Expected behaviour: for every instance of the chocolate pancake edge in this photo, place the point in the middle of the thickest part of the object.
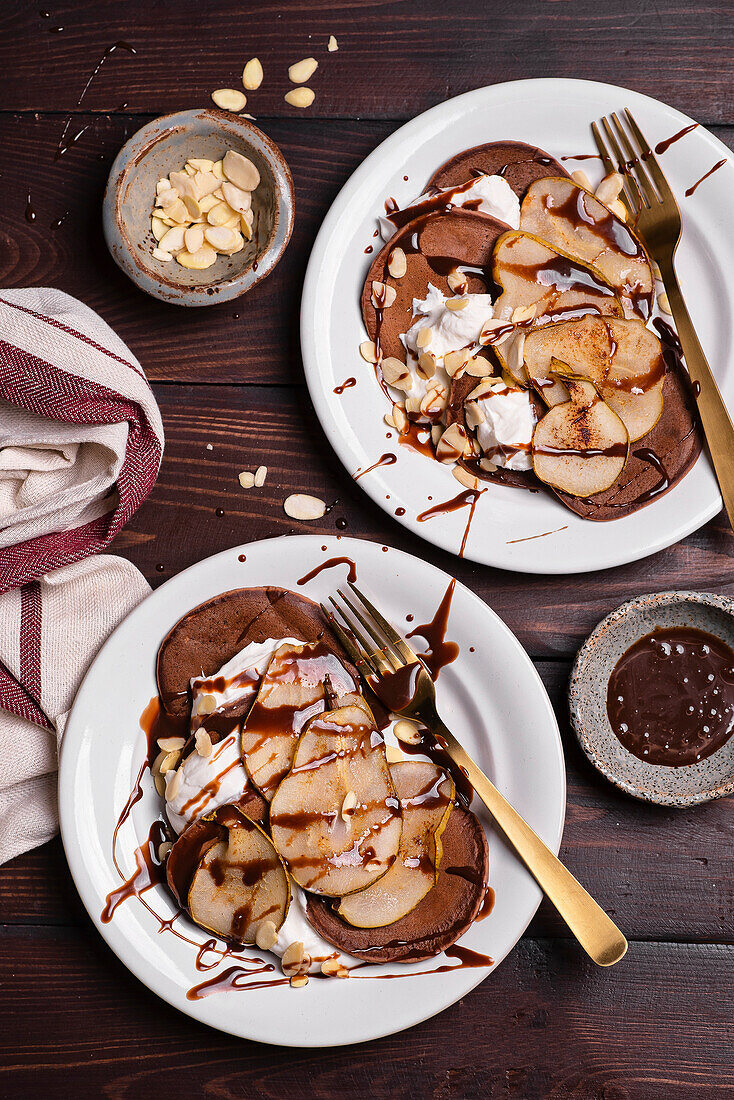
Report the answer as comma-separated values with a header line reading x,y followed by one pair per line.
x,y
440,919
676,440
518,163
211,634
466,236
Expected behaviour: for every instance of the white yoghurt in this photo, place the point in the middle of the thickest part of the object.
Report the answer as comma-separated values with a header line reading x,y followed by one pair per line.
x,y
451,329
252,659
223,770
509,421
494,194
297,928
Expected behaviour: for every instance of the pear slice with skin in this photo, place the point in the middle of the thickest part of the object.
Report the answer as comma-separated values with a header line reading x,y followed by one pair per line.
x,y
573,220
622,358
556,284
335,818
240,882
580,446
426,796
291,692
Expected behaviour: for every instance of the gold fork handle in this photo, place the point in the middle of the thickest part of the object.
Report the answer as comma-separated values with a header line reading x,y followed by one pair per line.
x,y
715,417
595,931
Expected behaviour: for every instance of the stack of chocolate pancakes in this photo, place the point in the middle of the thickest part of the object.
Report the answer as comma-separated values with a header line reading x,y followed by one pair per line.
x,y
438,238
199,645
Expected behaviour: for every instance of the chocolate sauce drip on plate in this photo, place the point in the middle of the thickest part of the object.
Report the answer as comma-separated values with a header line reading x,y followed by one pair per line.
x,y
234,978
440,652
347,385
663,146
330,563
670,698
719,164
397,689
388,459
149,872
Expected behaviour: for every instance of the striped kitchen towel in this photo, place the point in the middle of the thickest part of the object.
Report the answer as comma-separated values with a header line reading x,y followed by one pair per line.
x,y
81,441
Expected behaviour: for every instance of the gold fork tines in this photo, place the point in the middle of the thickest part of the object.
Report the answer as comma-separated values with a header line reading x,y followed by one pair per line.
x,y
379,651
656,219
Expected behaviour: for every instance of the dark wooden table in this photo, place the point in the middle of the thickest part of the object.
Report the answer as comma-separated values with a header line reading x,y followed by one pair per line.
x,y
547,1023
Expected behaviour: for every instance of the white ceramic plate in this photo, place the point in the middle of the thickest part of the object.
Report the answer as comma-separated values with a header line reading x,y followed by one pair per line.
x,y
556,115
491,694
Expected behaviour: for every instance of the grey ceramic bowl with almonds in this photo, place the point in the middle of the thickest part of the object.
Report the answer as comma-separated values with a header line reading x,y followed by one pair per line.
x,y
164,146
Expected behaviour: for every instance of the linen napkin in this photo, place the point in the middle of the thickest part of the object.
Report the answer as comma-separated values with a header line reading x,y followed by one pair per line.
x,y
81,441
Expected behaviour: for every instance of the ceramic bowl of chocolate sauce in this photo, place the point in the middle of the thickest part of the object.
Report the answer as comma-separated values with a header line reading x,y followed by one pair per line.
x,y
164,145
651,697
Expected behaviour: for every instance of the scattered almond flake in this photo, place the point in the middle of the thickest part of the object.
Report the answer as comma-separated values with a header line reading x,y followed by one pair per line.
x,y
246,479
160,254
457,282
173,784
294,958
617,207
396,373
455,362
388,418
436,432
487,466
524,313
206,704
664,304
266,935
368,351
252,74
260,474
332,45
236,198
169,762
299,981
407,732
400,419
382,294
481,390
452,445
210,446
426,365
193,238
171,743
397,265
479,367
349,805
200,164
240,171
204,745
424,337
302,71
217,169
198,261
160,784
229,99
609,188
473,415
299,97
304,507
156,765
158,228
221,237
580,177
164,849
466,479
455,304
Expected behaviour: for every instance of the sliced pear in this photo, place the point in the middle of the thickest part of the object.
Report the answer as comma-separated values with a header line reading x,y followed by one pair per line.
x,y
580,447
574,221
335,818
291,692
546,284
240,882
622,358
426,795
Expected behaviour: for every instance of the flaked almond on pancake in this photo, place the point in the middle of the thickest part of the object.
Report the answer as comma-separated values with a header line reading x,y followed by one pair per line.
x,y
516,162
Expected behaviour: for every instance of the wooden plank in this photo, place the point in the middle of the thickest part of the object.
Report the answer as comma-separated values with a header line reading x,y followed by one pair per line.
x,y
394,59
624,852
546,1024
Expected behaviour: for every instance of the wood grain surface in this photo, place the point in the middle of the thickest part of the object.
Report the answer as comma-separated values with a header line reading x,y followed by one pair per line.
x,y
229,381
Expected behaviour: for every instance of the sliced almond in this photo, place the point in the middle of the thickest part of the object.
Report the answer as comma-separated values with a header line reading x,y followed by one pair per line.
x,y
252,74
481,390
349,805
236,198
413,407
426,364
167,197
524,313
466,479
266,935
200,164
434,402
479,367
458,282
473,415
424,337
229,99
170,744
246,221
240,171
383,295
173,784
455,362
407,732
304,507
178,212
164,849
295,958
200,260
397,265
204,745
221,214
237,246
193,238
617,207
169,762
331,968
206,183
664,304
260,474
488,466
400,419
455,304
299,981
580,177
299,97
609,188
218,170
302,70
396,373
368,351
332,45
206,704
156,765
158,228
160,784
247,479
220,237
436,433
162,185
161,254
452,445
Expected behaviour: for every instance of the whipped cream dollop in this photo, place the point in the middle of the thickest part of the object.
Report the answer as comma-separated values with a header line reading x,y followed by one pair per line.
x,y
488,194
297,928
451,329
237,679
505,421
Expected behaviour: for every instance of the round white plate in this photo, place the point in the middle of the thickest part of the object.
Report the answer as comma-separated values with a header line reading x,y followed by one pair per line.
x,y
556,115
491,694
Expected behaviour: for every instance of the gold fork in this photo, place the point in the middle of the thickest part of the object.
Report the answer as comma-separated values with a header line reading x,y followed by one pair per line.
x,y
380,654
651,204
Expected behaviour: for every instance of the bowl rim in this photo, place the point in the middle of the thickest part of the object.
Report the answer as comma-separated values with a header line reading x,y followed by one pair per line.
x,y
123,250
579,677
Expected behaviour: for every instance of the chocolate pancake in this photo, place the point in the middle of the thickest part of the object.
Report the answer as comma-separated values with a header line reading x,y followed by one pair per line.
x,y
520,165
434,245
212,633
198,837
673,445
438,920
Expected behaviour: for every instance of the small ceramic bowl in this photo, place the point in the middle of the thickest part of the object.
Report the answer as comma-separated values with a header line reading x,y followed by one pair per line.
x,y
710,778
164,146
